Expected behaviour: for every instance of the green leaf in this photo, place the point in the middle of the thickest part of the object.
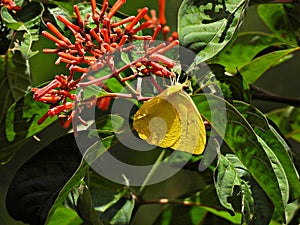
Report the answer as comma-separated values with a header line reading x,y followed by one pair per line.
x,y
256,207
238,88
65,216
242,140
65,5
28,28
37,183
288,121
243,50
8,19
253,70
123,216
226,180
236,219
85,206
276,18
21,124
15,78
60,11
180,214
91,154
207,26
276,143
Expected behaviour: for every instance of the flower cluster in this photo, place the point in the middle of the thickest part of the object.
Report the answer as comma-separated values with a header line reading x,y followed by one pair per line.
x,y
93,48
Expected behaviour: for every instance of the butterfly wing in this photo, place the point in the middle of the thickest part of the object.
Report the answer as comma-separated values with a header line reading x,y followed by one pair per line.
x,y
157,122
193,134
171,120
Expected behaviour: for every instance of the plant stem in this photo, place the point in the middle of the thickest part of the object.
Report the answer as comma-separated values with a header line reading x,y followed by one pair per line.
x,y
152,171
261,94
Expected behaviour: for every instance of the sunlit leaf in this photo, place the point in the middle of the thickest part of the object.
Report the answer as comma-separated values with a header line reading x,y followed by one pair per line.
x,y
60,11
288,121
207,26
65,216
276,18
243,50
253,70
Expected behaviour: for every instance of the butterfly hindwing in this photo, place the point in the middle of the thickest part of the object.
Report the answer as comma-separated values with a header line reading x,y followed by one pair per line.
x,y
171,120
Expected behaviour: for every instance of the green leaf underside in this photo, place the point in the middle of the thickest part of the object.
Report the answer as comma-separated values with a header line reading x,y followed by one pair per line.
x,y
276,18
242,51
242,140
275,142
207,26
232,174
226,180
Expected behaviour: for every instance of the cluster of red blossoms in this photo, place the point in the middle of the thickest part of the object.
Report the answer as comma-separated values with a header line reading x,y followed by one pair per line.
x,y
10,4
91,51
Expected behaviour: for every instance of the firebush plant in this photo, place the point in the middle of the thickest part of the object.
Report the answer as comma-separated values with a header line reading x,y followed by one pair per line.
x,y
252,180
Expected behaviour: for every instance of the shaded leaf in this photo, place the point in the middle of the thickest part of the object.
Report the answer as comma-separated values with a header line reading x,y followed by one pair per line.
x,y
85,206
293,11
276,18
256,208
15,78
238,88
180,214
91,154
21,124
276,143
36,184
123,215
207,26
242,140
113,201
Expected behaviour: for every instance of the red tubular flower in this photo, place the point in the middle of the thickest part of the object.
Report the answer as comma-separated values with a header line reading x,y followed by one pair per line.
x,y
141,14
103,103
115,8
52,38
162,6
68,24
76,10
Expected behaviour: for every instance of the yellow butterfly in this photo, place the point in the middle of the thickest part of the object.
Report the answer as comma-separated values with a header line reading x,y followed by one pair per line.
x,y
171,120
